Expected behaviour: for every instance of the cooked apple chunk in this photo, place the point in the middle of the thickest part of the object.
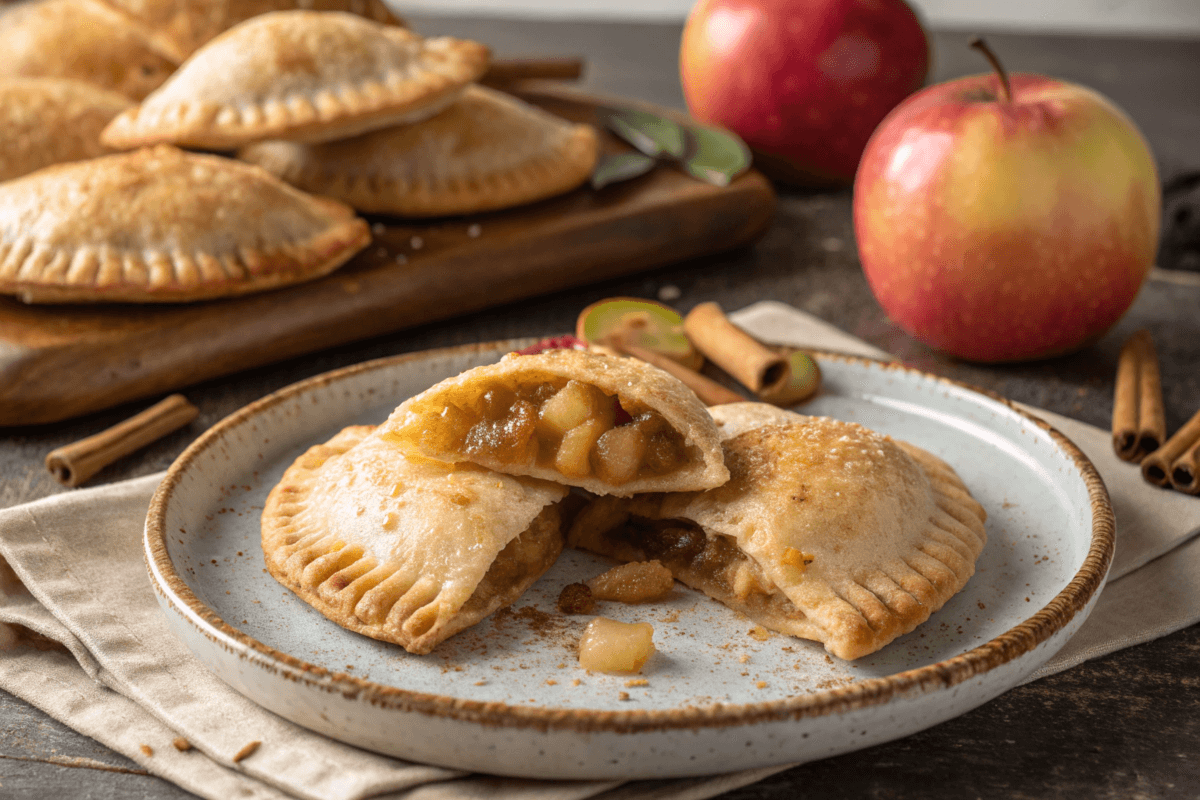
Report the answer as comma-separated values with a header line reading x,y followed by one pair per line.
x,y
573,405
611,646
635,582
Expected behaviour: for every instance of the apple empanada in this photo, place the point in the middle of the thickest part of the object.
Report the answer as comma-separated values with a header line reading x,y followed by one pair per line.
x,y
46,121
181,26
310,76
609,425
826,530
487,151
407,551
161,225
80,39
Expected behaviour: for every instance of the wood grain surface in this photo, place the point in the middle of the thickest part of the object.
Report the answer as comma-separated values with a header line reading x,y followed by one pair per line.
x,y
57,362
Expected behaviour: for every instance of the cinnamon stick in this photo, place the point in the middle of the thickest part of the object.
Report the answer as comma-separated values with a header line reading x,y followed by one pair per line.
x,y
709,391
1157,468
751,363
1185,471
74,463
1139,422
510,70
804,380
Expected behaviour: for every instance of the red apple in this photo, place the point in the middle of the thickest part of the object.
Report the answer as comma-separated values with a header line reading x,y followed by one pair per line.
x,y
1006,220
804,82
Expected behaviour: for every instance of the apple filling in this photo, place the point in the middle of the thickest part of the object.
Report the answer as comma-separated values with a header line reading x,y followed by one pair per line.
x,y
714,564
565,425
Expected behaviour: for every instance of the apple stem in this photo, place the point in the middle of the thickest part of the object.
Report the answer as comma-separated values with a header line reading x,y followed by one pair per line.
x,y
979,44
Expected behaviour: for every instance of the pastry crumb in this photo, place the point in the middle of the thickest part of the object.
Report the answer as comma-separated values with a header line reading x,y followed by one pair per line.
x,y
146,749
672,617
181,744
561,665
623,696
637,682
760,633
246,751
551,682
760,685
743,659
481,683
576,682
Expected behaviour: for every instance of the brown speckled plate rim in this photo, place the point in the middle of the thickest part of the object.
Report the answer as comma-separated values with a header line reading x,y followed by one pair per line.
x,y
1019,640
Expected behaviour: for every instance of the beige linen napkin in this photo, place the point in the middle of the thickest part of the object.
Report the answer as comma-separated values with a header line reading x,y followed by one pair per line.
x,y
118,675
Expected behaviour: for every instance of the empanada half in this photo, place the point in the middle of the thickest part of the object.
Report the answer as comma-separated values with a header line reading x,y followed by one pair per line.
x,y
826,531
308,76
84,40
162,225
609,425
407,551
46,121
181,26
487,151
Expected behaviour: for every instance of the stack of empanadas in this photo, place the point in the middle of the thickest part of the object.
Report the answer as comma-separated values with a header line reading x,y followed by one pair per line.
x,y
332,100
812,527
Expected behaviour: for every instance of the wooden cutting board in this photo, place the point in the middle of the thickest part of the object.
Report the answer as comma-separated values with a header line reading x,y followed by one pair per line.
x,y
58,362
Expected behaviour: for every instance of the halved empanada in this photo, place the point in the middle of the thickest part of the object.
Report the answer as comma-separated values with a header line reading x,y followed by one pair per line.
x,y
609,425
161,225
308,76
826,530
407,551
487,151
181,26
80,39
46,121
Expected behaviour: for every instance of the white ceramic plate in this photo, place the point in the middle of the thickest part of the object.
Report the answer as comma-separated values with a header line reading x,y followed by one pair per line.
x,y
507,696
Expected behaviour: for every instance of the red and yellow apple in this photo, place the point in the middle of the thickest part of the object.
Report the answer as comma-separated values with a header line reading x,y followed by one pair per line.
x,y
1006,228
803,82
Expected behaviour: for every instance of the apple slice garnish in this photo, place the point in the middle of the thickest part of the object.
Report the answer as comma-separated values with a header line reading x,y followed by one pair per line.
x,y
642,323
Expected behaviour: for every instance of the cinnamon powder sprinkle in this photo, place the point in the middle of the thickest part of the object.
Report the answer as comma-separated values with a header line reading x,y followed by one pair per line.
x,y
182,744
146,749
246,751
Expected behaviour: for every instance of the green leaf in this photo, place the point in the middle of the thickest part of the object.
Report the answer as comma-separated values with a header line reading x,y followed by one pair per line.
x,y
653,135
715,155
621,167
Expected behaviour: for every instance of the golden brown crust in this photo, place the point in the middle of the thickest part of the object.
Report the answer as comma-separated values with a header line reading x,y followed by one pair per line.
x,y
304,76
161,225
487,151
634,382
45,121
179,27
84,40
404,551
855,538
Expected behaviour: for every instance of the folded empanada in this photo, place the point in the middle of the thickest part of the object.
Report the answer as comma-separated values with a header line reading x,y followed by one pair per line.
x,y
487,151
46,121
181,26
307,76
826,530
80,39
162,225
609,425
407,551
